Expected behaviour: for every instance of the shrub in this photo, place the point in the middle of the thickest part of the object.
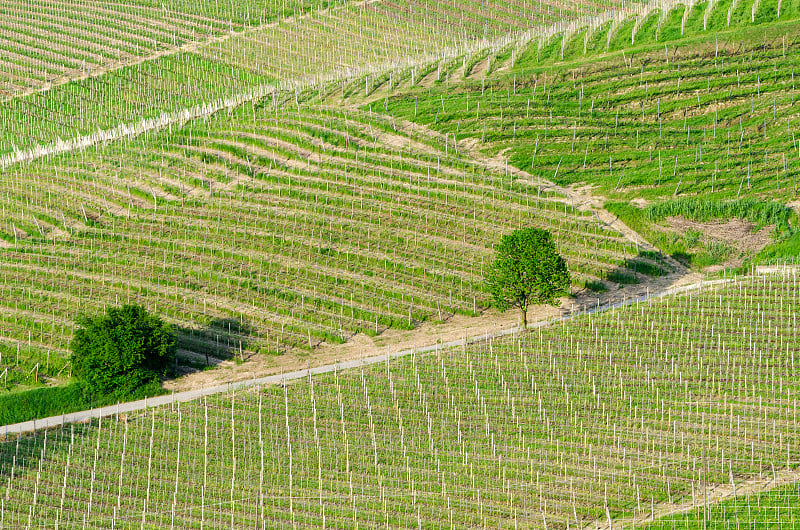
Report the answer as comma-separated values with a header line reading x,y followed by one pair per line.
x,y
122,351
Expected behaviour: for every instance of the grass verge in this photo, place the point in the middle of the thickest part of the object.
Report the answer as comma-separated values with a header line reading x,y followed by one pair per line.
x,y
39,403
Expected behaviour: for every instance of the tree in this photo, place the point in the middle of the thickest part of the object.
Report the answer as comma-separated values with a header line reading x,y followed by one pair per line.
x,y
527,270
122,351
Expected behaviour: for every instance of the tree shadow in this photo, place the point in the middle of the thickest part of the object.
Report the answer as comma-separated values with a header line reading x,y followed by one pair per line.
x,y
630,279
221,340
20,453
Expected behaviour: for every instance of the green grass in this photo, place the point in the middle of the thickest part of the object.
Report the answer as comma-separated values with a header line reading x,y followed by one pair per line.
x,y
173,82
622,277
688,247
26,405
266,231
250,56
787,248
617,122
700,128
758,212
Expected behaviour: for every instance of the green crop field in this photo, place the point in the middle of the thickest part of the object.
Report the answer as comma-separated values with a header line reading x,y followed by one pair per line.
x,y
690,106
291,182
129,72
719,124
265,231
620,415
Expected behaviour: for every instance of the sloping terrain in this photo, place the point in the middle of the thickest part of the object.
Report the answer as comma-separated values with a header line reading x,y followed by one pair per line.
x,y
275,178
142,61
609,418
265,231
702,118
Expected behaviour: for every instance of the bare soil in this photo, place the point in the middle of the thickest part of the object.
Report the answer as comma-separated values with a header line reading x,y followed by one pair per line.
x,y
428,80
734,233
479,69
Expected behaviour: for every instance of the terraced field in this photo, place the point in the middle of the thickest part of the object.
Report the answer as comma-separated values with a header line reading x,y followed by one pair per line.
x,y
714,119
275,176
136,61
47,42
698,116
613,418
265,231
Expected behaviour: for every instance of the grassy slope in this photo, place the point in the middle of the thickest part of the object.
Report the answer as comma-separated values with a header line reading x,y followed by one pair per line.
x,y
715,119
625,410
348,37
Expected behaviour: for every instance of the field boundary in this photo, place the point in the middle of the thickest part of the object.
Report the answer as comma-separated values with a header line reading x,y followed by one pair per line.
x,y
189,395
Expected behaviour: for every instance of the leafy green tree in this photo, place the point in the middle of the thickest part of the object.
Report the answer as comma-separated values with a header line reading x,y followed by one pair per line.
x,y
527,271
120,352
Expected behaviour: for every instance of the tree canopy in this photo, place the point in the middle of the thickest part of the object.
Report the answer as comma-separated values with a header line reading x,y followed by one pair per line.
x,y
121,351
527,270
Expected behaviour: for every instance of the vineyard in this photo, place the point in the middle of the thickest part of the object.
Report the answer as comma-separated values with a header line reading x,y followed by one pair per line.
x,y
146,62
286,182
619,416
714,120
700,108
266,231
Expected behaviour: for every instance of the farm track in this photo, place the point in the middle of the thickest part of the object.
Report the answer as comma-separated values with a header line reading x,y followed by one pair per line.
x,y
559,493
299,374
291,248
173,110
309,154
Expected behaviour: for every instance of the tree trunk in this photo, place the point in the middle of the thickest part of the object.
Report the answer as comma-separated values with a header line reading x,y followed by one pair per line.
x,y
524,317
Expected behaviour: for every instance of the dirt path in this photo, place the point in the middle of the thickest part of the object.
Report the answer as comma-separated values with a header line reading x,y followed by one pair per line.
x,y
450,328
217,384
479,69
707,496
580,199
702,496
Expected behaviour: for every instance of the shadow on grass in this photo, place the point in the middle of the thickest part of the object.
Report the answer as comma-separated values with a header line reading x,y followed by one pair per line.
x,y
640,269
222,339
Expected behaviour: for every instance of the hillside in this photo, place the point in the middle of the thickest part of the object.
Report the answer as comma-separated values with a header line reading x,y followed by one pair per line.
x,y
295,183
144,61
684,113
168,219
620,416
268,231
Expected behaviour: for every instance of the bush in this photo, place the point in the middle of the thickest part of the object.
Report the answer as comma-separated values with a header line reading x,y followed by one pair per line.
x,y
119,353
